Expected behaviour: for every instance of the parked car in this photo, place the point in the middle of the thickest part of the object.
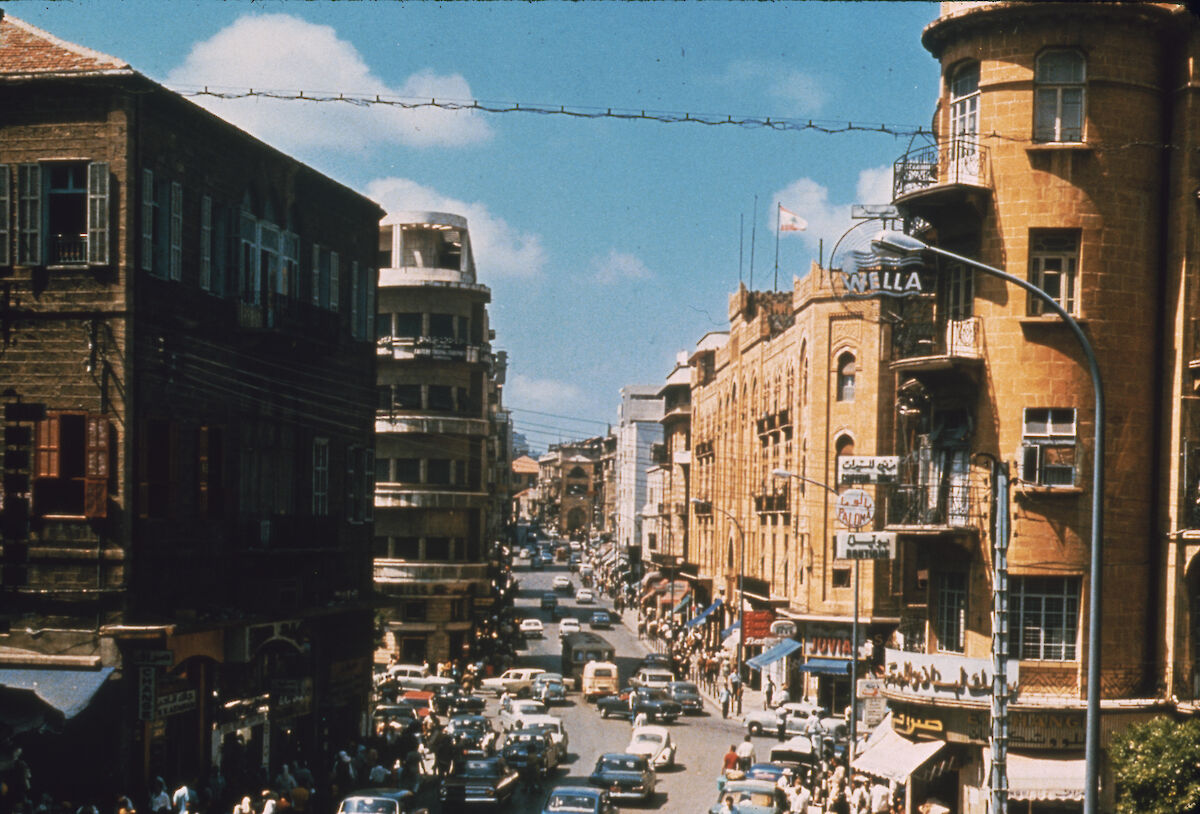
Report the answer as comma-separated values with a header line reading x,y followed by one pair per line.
x,y
794,715
655,703
481,780
752,797
578,800
514,681
584,596
655,678
688,696
562,582
601,620
627,777
378,801
532,628
568,625
661,660
549,689
654,743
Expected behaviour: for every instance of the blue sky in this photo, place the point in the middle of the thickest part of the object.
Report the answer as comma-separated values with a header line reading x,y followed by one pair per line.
x,y
609,245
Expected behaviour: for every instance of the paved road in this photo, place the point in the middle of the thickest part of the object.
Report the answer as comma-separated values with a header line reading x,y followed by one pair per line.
x,y
702,740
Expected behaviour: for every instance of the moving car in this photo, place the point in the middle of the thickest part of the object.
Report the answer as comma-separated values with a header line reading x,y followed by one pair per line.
x,y
794,714
688,696
549,689
551,725
521,745
599,678
654,743
660,660
452,698
585,596
568,625
578,800
562,582
655,703
655,678
514,681
627,777
601,620
378,801
549,602
752,797
513,714
479,780
472,732
796,753
533,628
412,677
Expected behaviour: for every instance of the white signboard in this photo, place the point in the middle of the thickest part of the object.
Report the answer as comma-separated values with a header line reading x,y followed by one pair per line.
x,y
865,545
871,701
855,508
867,468
943,675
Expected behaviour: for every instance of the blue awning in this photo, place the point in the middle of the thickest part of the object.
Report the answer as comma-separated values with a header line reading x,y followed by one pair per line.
x,y
732,629
826,667
784,648
683,603
68,691
704,614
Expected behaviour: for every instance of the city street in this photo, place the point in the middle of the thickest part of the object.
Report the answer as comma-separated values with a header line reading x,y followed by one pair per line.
x,y
702,740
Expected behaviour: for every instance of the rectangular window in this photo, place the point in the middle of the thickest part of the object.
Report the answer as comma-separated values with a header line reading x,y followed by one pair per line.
x,y
1045,614
72,462
320,477
408,326
210,467
441,326
356,328
414,611
248,269
271,275
383,326
335,282
841,578
437,548
406,397
383,470
316,275
289,266
354,483
156,469
148,212
406,548
407,470
175,262
368,492
951,611
5,209
441,397
438,471
1053,267
29,214
383,401
369,284
206,235
1059,83
1048,446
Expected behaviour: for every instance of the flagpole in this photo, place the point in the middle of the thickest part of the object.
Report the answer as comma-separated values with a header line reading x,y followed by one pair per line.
x,y
741,243
778,215
753,233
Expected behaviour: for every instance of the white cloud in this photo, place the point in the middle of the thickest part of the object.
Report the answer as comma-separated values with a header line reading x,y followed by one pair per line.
x,y
541,394
500,249
281,52
797,92
828,220
618,267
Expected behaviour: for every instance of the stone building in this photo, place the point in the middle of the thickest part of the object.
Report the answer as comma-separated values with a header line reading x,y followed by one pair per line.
x,y
187,365
435,437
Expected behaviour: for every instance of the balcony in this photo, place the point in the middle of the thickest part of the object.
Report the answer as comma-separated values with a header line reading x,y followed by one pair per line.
x,y
927,345
403,572
435,348
292,318
67,250
948,174
398,496
936,508
431,425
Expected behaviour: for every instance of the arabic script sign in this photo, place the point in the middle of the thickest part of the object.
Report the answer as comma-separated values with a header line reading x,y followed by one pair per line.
x,y
855,508
865,545
867,468
942,675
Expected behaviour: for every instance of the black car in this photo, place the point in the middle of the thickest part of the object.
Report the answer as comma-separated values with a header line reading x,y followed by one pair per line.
x,y
472,733
601,620
450,698
656,660
578,800
479,781
627,777
525,745
688,696
378,801
655,703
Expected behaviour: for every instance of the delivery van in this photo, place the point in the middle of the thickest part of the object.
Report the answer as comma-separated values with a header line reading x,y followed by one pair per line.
x,y
599,678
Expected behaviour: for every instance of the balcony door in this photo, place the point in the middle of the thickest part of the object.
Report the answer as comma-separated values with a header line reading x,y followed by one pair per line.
x,y
963,157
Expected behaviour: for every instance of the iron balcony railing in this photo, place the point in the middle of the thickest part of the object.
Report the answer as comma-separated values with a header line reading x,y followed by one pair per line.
x,y
941,505
961,160
956,339
67,250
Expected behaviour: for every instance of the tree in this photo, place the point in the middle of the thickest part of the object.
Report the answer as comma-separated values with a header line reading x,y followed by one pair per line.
x,y
1156,766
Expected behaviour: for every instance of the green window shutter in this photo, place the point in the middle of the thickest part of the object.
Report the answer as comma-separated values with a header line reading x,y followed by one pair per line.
x,y
29,214
97,214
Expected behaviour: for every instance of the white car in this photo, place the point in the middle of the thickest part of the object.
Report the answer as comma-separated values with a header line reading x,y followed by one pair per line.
x,y
533,628
794,715
654,743
551,723
653,678
569,625
585,597
513,714
561,582
514,681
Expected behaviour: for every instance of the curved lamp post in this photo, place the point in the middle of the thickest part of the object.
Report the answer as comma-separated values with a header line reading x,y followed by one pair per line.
x,y
741,588
902,245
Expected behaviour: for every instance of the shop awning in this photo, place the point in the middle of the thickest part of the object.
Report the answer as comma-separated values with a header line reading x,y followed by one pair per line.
x,y
779,651
683,603
894,757
729,631
653,575
704,614
1045,778
826,667
68,691
653,589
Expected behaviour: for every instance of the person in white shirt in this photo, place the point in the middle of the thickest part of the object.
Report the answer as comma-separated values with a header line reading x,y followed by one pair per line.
x,y
881,797
745,753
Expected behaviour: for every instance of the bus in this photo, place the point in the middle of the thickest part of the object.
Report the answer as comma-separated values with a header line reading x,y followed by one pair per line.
x,y
580,648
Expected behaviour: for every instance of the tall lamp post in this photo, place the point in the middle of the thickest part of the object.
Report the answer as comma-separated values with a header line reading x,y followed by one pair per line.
x,y
900,244
741,589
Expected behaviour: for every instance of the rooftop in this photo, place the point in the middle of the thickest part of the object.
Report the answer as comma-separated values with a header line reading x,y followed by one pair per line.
x,y
26,51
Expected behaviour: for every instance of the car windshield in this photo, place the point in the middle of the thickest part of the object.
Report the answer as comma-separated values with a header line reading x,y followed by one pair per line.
x,y
481,768
654,695
368,805
571,802
647,737
686,689
622,764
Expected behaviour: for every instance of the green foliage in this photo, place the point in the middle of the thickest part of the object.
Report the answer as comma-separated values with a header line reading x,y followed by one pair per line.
x,y
1157,767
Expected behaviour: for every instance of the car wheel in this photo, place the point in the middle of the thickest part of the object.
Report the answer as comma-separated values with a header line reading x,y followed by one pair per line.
x,y
603,712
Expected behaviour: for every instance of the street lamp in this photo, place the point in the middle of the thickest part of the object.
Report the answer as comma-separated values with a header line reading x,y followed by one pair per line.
x,y
741,588
902,245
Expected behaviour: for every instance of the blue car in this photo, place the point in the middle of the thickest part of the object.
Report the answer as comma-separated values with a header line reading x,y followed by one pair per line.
x,y
578,800
752,797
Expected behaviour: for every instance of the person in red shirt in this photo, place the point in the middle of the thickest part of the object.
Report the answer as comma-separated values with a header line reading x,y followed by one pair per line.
x,y
731,758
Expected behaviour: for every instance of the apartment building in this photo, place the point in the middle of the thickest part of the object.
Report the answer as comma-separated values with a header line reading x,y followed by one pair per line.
x,y
636,432
437,449
187,367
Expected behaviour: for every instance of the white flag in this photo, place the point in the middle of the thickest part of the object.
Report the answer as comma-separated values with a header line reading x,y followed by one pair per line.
x,y
791,222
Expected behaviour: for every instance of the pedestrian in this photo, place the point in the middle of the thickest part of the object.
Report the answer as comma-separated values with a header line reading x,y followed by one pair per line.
x,y
724,698
160,800
769,693
726,805
745,753
880,798
799,797
730,761
738,690
860,798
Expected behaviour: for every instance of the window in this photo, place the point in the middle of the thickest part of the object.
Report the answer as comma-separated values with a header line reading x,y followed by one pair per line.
x,y
437,548
441,326
406,548
209,471
441,397
841,578
964,101
335,283
408,326
407,470
248,260
1053,267
414,611
62,213
320,477
438,471
383,326
406,397
289,265
1048,446
175,258
383,470
5,208
845,377
206,237
959,291
383,402
156,469
951,616
1045,612
72,462
1058,100
149,209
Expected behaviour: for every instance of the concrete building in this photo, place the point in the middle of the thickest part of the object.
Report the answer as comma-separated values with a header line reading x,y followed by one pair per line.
x,y
188,381
637,430
436,444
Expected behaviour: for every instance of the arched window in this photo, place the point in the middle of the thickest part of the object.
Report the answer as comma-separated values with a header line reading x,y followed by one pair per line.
x,y
1058,96
845,377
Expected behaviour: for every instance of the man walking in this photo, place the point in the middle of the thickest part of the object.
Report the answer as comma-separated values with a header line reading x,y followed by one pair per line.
x,y
745,754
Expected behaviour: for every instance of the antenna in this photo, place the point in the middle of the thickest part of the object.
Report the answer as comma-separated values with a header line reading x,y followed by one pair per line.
x,y
741,242
753,232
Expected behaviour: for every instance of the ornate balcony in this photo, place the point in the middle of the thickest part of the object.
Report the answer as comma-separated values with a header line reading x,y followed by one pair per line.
x,y
948,174
936,507
454,575
431,347
937,344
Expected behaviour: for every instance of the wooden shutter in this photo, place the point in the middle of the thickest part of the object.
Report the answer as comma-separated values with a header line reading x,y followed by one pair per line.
x,y
316,275
29,214
96,472
355,329
175,259
334,282
97,214
5,217
46,448
206,235
147,220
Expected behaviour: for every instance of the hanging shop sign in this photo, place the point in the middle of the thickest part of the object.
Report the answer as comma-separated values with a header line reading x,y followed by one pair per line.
x,y
758,626
147,692
943,675
867,468
175,703
855,508
828,641
865,545
783,628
